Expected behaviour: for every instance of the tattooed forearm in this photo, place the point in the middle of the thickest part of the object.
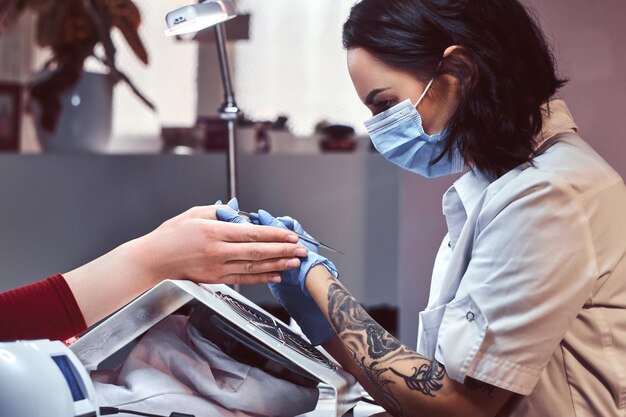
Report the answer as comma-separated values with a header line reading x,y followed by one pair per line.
x,y
376,376
426,379
350,317
379,342
380,356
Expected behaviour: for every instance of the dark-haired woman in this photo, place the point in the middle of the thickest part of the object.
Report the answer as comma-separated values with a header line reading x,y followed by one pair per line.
x,y
527,309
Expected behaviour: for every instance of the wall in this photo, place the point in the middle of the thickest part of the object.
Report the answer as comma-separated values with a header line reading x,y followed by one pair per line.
x,y
588,38
59,211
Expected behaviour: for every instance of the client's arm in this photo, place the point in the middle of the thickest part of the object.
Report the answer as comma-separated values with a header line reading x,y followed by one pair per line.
x,y
190,246
44,310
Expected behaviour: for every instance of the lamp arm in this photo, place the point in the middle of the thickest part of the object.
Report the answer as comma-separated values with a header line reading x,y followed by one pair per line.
x,y
230,105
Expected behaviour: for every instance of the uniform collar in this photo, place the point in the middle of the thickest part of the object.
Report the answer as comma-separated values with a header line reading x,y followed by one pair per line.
x,y
557,120
464,193
461,198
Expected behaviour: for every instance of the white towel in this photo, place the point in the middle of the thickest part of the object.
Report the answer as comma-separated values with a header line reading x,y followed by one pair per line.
x,y
173,368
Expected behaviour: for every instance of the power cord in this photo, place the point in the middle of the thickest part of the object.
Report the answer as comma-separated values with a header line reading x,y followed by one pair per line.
x,y
106,411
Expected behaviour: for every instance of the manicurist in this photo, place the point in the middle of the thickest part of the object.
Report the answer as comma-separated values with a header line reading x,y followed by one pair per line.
x,y
527,308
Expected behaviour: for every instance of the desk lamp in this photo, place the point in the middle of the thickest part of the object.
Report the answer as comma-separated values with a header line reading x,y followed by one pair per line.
x,y
194,18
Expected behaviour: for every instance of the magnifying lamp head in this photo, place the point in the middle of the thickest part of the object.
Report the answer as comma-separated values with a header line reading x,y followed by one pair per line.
x,y
194,18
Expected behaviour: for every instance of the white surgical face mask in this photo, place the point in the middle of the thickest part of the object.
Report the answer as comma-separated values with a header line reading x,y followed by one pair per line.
x,y
398,134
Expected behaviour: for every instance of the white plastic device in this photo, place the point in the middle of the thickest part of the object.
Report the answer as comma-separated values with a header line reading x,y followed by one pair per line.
x,y
44,378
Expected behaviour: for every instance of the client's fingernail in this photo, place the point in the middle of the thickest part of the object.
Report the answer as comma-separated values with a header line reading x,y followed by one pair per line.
x,y
292,238
293,263
300,252
276,279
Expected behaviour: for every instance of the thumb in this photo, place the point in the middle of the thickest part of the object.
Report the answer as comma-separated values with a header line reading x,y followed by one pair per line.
x,y
287,221
254,218
267,219
234,204
230,216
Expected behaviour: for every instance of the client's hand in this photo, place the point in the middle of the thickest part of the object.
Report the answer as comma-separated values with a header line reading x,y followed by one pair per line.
x,y
291,293
195,246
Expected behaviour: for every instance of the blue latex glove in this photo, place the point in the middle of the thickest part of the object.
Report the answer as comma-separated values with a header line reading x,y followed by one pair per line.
x,y
295,226
289,293
231,216
298,304
297,277
304,311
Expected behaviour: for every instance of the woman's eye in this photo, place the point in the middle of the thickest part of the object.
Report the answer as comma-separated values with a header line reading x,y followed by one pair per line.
x,y
384,105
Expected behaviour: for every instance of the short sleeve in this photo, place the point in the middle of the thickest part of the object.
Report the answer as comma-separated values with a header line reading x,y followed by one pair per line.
x,y
532,268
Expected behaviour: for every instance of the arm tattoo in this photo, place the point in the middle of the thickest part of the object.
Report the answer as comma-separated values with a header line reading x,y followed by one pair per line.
x,y
378,353
383,385
352,318
426,379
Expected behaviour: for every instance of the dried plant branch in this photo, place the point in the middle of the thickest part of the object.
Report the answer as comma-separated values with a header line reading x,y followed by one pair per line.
x,y
125,16
72,28
103,14
103,28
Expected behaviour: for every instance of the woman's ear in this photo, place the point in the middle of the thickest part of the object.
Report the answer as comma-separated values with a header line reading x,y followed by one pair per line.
x,y
459,62
450,50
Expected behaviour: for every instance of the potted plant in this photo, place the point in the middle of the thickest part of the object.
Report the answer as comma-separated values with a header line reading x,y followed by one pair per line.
x,y
72,106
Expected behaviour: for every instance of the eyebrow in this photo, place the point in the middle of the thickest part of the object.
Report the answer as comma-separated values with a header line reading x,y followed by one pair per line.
x,y
369,100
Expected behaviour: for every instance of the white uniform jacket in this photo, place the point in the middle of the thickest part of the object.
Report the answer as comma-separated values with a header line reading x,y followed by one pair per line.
x,y
529,286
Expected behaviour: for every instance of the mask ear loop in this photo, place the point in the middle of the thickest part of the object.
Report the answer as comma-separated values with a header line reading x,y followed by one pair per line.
x,y
430,83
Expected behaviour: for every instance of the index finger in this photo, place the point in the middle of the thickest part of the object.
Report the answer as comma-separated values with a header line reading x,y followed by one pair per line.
x,y
251,233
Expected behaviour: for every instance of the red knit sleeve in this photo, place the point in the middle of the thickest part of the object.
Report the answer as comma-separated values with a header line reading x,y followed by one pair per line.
x,y
44,310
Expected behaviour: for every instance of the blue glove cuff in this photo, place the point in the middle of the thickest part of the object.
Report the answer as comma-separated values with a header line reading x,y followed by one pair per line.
x,y
304,311
320,339
332,269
